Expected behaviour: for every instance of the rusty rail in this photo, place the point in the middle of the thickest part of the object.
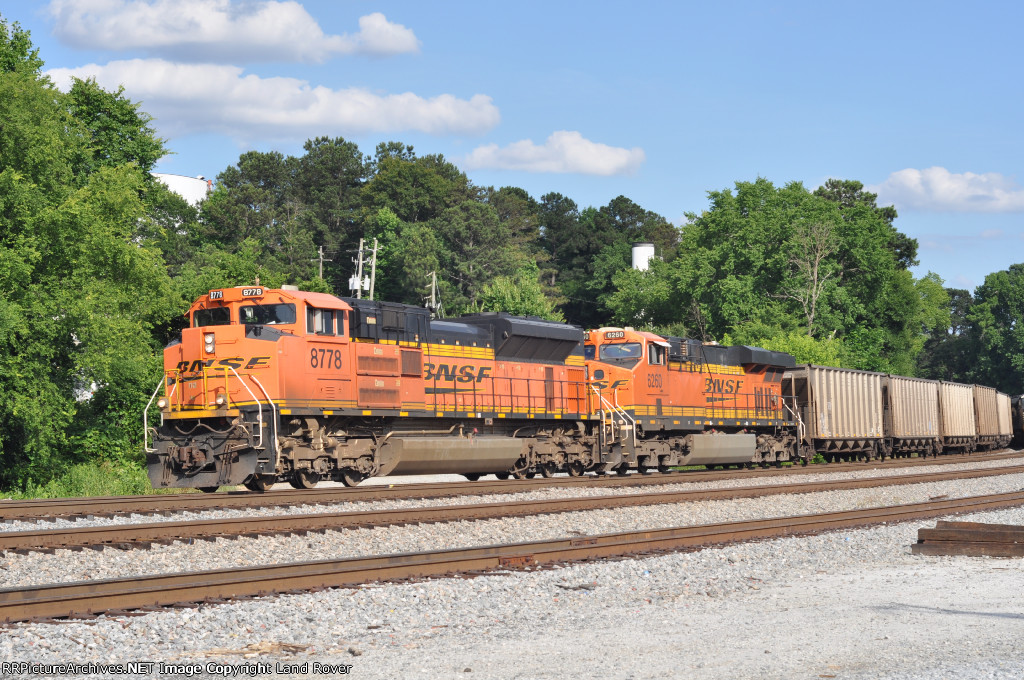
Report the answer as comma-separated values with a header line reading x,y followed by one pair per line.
x,y
143,535
90,598
109,506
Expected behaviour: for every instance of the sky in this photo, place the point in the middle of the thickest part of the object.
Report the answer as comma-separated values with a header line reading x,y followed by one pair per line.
x,y
659,101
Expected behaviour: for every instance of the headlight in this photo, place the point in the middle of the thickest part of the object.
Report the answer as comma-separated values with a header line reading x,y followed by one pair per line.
x,y
161,403
208,339
221,399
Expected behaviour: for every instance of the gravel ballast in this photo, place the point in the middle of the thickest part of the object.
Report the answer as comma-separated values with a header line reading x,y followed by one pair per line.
x,y
850,604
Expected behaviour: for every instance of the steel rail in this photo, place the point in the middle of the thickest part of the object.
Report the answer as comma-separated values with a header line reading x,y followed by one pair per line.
x,y
109,506
127,536
93,597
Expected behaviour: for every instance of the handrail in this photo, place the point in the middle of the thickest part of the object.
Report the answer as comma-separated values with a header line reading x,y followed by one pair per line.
x,y
259,413
800,427
618,410
273,409
145,416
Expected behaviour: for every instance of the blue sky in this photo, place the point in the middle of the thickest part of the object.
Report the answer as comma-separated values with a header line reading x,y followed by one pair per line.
x,y
658,101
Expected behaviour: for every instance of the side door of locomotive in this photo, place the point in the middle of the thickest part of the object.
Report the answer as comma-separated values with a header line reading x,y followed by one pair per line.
x,y
656,383
326,357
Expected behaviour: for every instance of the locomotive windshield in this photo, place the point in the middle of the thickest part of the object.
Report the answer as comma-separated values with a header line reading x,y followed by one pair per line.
x,y
622,350
216,316
268,315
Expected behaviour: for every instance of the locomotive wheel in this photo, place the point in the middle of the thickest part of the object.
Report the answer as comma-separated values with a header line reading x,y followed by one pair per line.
x,y
575,469
548,470
303,479
664,469
258,483
352,478
472,476
521,474
622,470
208,489
642,469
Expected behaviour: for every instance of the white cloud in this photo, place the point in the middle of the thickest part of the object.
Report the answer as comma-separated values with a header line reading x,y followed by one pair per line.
x,y
220,31
563,152
939,190
192,98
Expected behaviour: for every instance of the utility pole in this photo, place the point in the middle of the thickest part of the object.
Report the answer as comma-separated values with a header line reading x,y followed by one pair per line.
x,y
373,268
434,302
322,260
357,281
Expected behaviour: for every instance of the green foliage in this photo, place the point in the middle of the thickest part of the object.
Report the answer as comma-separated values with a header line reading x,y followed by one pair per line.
x,y
118,133
804,348
766,262
16,52
997,319
520,294
81,296
90,479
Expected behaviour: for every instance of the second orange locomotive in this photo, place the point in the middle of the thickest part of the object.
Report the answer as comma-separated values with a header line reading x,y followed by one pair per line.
x,y
271,385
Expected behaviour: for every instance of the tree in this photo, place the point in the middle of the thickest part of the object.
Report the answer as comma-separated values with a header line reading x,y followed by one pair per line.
x,y
519,294
81,293
766,261
814,243
118,133
997,317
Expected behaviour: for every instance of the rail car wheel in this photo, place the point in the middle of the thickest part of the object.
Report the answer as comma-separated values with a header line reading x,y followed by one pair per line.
x,y
304,479
575,469
664,469
642,469
472,476
258,483
501,475
352,478
208,489
520,474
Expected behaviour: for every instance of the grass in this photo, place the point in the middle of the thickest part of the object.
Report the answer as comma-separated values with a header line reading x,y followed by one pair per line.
x,y
91,479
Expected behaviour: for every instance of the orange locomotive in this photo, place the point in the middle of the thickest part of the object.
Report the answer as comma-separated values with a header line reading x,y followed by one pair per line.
x,y
271,385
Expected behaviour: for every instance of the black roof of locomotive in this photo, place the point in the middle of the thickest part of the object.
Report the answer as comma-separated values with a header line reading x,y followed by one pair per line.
x,y
528,338
731,355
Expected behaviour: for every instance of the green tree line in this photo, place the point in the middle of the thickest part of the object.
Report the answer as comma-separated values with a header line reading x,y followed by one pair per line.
x,y
98,261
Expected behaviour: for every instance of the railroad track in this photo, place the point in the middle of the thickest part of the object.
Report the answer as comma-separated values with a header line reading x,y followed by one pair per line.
x,y
110,506
87,599
143,535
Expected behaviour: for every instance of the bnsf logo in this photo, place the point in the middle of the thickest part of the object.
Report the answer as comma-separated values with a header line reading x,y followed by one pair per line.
x,y
456,373
231,362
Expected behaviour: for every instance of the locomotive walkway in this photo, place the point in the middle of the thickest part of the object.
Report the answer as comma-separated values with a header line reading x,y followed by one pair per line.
x,y
127,536
121,595
109,506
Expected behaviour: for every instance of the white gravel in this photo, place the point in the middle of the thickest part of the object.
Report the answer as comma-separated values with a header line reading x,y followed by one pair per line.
x,y
852,604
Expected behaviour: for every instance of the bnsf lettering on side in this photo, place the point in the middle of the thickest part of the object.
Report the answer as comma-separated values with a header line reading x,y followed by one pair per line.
x,y
456,373
230,362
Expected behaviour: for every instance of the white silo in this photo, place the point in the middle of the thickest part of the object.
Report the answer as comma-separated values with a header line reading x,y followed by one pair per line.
x,y
642,255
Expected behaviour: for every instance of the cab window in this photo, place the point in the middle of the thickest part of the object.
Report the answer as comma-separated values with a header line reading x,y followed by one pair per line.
x,y
319,321
267,315
215,316
622,350
589,352
655,354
